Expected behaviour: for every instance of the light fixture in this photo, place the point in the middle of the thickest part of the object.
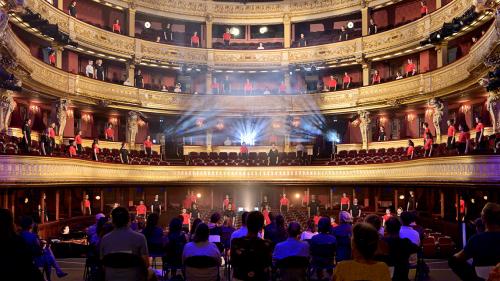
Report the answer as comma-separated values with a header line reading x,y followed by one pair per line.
x,y
465,108
220,124
485,197
428,112
472,200
382,120
234,31
113,120
263,29
350,24
141,123
34,108
198,195
70,113
147,24
98,197
200,122
297,195
86,117
410,117
402,197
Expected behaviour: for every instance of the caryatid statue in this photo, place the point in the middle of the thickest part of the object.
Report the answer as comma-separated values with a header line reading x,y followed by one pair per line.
x,y
7,106
62,114
437,115
132,126
364,125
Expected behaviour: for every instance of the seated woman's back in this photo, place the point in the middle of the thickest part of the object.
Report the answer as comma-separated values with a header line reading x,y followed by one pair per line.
x,y
353,270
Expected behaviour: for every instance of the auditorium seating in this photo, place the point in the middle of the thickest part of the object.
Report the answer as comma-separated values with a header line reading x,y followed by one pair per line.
x,y
234,159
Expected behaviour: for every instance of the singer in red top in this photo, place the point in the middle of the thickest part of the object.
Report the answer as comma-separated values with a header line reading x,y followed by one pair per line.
x,y
450,142
215,87
226,37
345,203
411,68
283,203
148,146
463,140
410,150
244,151
332,84
78,141
186,218
86,210
225,203
376,77
423,9
116,26
247,87
195,40
52,58
95,149
282,88
427,140
346,81
141,209
109,133
72,149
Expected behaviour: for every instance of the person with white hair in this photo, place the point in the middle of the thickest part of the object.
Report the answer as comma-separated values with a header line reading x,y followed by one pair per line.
x,y
343,233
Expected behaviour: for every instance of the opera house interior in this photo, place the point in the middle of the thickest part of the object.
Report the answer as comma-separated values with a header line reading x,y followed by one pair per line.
x,y
250,140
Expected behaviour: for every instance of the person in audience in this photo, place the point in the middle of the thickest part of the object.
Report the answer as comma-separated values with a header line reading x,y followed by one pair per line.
x,y
410,150
215,226
244,151
215,86
273,155
428,140
226,38
99,70
242,231
344,35
423,9
345,202
148,146
261,46
109,133
300,150
355,209
178,88
247,87
450,142
72,9
375,221
93,231
400,249
309,232
346,81
176,239
482,248
124,154
141,210
43,256
72,149
192,229
89,69
363,266
332,222
376,78
463,141
228,142
95,150
277,233
251,257
372,27
227,230
139,79
411,68
52,58
154,235
226,85
343,233
292,246
51,132
116,26
195,40
167,33
321,242
399,211
302,41
332,84
406,230
479,139
124,240
79,141
399,75
27,135
381,133
164,88
200,246
16,256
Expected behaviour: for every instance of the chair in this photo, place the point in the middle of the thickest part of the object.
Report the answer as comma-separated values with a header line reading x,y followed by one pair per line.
x,y
322,258
124,261
201,268
293,268
483,271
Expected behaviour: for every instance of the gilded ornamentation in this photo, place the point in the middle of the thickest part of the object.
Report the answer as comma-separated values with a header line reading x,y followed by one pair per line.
x,y
7,106
132,127
437,107
61,114
364,126
493,107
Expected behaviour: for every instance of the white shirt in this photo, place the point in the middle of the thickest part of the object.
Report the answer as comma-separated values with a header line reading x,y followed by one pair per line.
x,y
410,233
260,48
299,147
89,70
267,92
242,232
228,142
177,90
307,235
200,249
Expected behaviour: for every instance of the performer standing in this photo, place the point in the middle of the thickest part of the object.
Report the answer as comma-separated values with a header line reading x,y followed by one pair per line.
x,y
345,203
412,203
195,212
450,142
86,210
283,203
229,213
313,207
225,203
264,203
186,218
265,212
355,209
156,205
141,210
273,155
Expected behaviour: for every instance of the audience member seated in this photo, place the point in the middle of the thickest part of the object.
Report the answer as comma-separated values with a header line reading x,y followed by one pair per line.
x,y
406,230
154,235
363,267
309,232
323,247
251,257
292,255
92,233
243,230
400,249
176,239
275,231
482,248
123,240
16,257
343,233
200,257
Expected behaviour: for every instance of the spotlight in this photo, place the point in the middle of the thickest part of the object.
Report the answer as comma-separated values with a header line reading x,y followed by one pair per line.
x,y
297,195
350,25
263,29
248,138
98,197
147,25
485,197
234,31
198,195
402,197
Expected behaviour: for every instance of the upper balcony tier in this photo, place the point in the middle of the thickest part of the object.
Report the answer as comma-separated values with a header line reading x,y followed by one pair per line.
x,y
402,39
447,80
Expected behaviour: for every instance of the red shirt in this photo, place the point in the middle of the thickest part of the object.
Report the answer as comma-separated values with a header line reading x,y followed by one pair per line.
x,y
332,83
109,132
284,201
52,133
282,87
215,85
187,203
479,127
86,203
243,149
376,78
72,151
410,67
462,206
78,139
226,36
248,86
344,200
52,59
195,39
148,144
451,131
141,209
185,218
386,217
225,203
266,216
116,27
424,10
96,148
316,219
463,137
409,150
426,131
346,79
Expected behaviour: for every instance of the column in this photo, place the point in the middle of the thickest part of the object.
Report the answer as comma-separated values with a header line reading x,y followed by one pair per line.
x,y
331,197
377,195
430,201
287,80
58,200
208,36
69,203
59,56
131,20
60,5
396,198
42,207
438,4
287,143
209,141
211,198
365,19
442,54
13,203
366,65
102,200
441,202
165,201
130,197
287,31
208,82
131,73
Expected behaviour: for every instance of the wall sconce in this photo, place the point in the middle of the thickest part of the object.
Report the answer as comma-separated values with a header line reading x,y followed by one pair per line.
x,y
355,123
113,120
86,117
200,122
429,112
383,120
276,124
34,108
465,108
220,125
410,117
70,113
141,123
